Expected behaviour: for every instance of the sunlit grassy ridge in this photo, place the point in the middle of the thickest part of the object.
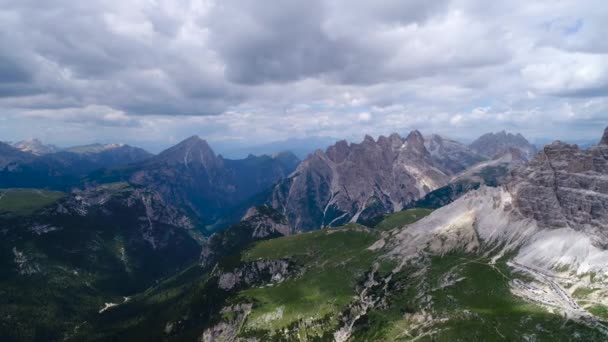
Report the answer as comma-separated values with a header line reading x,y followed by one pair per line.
x,y
26,201
333,261
401,218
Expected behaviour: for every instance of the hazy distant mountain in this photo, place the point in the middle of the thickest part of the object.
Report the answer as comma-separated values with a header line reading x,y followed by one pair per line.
x,y
490,145
9,156
357,182
35,146
301,147
492,172
63,169
451,156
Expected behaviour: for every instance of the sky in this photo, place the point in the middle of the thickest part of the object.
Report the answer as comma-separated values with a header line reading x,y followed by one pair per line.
x,y
245,72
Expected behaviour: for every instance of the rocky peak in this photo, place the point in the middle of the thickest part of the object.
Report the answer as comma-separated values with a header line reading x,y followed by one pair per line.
x,y
604,140
368,140
339,151
355,182
395,138
490,145
10,154
415,142
35,146
191,151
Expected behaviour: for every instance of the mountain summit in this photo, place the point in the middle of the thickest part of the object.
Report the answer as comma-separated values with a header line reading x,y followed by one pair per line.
x,y
492,144
604,140
357,182
190,151
35,146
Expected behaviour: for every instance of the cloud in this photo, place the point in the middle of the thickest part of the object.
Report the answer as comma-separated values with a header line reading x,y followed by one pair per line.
x,y
569,74
251,70
90,115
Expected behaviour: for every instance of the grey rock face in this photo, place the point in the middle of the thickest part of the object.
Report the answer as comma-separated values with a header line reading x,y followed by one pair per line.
x,y
604,140
451,156
266,225
259,223
356,182
565,186
258,272
492,144
228,330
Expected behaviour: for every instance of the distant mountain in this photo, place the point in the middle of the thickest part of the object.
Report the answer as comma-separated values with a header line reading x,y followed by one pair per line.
x,y
490,145
10,156
493,172
61,170
451,156
301,147
97,148
36,147
357,182
191,176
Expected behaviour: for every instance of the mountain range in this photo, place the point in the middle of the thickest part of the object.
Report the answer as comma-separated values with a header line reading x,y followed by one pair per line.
x,y
416,237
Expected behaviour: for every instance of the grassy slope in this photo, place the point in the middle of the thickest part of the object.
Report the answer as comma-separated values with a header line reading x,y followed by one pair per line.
x,y
334,260
479,307
26,201
401,218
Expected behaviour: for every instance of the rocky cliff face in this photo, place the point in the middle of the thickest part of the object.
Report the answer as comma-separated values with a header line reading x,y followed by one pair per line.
x,y
552,211
259,223
565,186
492,144
356,182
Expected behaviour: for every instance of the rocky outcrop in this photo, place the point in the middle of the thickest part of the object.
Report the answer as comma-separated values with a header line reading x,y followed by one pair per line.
x,y
357,182
256,273
604,140
565,186
266,223
228,330
492,144
259,223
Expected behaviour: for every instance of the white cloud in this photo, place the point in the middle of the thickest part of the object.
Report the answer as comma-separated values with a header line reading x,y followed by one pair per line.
x,y
250,71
